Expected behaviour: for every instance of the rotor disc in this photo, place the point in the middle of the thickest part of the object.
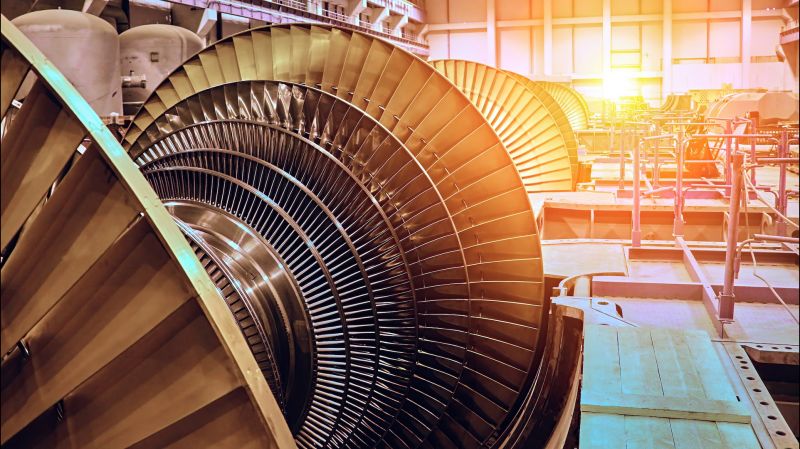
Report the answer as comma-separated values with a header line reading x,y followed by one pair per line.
x,y
478,291
571,102
362,318
528,121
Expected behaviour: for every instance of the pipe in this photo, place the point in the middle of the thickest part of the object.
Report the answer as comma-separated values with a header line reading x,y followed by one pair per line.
x,y
656,155
782,195
119,15
677,225
728,130
729,134
778,160
726,298
644,176
662,136
569,282
131,81
754,127
776,238
705,124
613,125
706,188
699,161
756,238
658,190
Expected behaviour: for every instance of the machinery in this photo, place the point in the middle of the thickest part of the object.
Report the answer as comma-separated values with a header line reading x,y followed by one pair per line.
x,y
148,53
309,237
388,289
772,107
107,315
530,123
94,71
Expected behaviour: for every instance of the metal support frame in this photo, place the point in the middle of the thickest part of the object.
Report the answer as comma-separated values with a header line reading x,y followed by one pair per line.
x,y
636,228
753,159
677,226
622,155
776,238
728,134
727,298
636,232
274,12
770,426
710,301
783,197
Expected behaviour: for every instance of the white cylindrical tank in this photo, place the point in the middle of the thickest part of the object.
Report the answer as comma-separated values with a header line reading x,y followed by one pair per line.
x,y
153,51
84,48
772,107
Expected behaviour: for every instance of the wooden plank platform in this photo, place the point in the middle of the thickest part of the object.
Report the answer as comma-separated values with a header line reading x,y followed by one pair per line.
x,y
658,388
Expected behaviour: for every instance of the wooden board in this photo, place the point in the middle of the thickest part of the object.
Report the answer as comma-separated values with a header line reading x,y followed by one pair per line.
x,y
658,388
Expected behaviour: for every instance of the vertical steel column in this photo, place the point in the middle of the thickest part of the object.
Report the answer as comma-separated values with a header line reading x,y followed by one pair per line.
x,y
677,226
753,160
726,298
736,151
621,156
656,164
747,36
612,137
491,32
783,151
605,46
666,49
636,230
728,131
753,140
548,37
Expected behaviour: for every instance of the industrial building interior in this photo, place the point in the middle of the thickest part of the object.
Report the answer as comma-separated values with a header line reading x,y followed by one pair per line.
x,y
499,224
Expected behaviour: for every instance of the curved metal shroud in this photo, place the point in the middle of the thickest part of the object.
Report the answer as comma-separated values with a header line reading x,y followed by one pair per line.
x,y
112,334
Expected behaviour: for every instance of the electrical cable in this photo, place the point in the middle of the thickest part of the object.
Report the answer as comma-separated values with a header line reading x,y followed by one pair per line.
x,y
747,186
766,203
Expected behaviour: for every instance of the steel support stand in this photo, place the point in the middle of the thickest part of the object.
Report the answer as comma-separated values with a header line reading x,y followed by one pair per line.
x,y
727,298
677,226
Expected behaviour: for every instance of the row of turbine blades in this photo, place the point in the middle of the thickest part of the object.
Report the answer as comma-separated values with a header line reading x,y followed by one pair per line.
x,y
362,214
112,333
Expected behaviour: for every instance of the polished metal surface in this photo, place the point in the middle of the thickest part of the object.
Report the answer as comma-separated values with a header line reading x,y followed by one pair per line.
x,y
678,103
772,107
530,124
561,116
397,211
261,294
346,263
113,334
151,52
85,48
571,102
